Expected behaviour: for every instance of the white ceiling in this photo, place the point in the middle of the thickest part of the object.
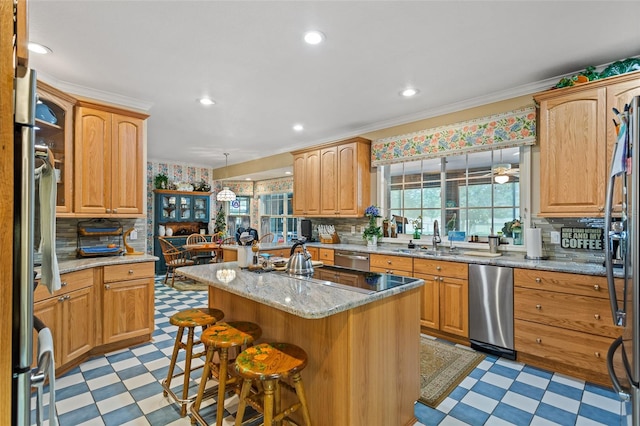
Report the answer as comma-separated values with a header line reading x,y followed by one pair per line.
x,y
250,58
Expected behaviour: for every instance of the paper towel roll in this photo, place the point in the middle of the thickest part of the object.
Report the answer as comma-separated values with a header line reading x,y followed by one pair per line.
x,y
533,241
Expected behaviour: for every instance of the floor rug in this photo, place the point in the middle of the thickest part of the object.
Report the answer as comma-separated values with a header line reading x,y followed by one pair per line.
x,y
183,284
442,367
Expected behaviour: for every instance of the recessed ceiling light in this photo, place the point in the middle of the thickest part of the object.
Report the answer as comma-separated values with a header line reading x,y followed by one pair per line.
x,y
298,127
313,37
206,101
38,48
247,178
287,173
409,92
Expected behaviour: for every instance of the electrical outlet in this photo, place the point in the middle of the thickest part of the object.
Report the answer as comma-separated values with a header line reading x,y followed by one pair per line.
x,y
555,237
361,229
133,235
353,230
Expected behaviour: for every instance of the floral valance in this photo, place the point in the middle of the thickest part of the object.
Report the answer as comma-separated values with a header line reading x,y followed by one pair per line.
x,y
505,130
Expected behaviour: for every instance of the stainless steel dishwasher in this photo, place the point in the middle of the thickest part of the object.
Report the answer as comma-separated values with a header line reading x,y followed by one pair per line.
x,y
491,310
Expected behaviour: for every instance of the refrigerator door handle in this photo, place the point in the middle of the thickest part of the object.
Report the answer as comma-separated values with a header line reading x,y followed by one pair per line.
x,y
617,387
617,315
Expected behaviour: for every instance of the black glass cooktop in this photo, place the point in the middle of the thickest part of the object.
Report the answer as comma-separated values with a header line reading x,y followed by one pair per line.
x,y
362,282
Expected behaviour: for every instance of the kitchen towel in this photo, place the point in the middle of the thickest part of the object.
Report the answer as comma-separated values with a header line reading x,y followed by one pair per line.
x,y
533,241
50,275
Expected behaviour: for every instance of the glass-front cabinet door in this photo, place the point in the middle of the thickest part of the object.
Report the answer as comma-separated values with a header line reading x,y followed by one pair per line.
x,y
185,207
54,131
167,208
201,208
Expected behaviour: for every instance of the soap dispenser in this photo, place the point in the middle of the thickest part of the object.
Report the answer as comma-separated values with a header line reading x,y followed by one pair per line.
x,y
411,245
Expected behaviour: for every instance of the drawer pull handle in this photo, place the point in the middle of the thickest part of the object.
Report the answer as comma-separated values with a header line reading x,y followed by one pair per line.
x,y
64,284
538,340
438,268
596,287
597,316
597,354
107,287
538,280
130,271
538,307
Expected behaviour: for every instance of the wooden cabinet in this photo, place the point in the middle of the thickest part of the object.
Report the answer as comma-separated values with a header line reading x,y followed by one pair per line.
x,y
306,184
445,296
109,161
553,308
333,180
576,135
69,314
128,301
386,264
325,255
280,252
58,137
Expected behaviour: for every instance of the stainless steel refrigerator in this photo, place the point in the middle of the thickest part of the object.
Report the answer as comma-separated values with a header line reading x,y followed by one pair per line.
x,y
621,261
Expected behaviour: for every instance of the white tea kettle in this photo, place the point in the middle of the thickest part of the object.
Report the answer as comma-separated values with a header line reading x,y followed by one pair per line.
x,y
300,262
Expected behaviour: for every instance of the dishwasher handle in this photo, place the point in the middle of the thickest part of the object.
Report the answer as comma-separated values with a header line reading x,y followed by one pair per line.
x,y
352,256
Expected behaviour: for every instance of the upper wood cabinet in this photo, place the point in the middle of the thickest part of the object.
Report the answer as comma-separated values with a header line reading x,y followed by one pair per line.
x,y
109,167
333,180
306,183
577,135
58,137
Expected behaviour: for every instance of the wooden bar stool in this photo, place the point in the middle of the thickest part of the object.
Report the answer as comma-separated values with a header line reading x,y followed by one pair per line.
x,y
219,338
270,364
190,319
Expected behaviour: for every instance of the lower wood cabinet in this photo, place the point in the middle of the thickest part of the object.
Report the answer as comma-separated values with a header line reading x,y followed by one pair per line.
x,y
88,313
70,315
445,296
326,256
563,323
128,301
388,264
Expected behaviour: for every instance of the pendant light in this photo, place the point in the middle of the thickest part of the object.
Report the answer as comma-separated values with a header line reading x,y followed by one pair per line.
x,y
226,194
501,171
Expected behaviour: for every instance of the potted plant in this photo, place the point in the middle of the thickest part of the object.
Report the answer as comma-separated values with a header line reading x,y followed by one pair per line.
x,y
161,181
221,222
372,232
417,227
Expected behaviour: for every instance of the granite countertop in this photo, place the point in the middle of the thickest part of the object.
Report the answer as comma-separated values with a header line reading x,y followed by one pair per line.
x,y
514,259
92,262
303,297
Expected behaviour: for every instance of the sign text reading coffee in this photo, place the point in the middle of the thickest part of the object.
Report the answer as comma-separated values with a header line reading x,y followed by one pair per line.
x,y
582,238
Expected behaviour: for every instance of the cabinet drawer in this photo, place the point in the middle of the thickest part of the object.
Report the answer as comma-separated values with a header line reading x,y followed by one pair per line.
x,y
585,285
579,350
70,281
283,252
326,255
580,313
391,263
128,271
440,267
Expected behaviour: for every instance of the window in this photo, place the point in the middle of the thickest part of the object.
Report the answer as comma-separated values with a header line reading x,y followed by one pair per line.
x,y
275,216
239,215
462,192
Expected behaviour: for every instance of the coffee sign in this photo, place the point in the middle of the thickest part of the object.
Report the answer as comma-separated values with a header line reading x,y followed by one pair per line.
x,y
582,238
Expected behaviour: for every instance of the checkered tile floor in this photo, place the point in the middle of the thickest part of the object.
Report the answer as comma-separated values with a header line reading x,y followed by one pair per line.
x,y
124,388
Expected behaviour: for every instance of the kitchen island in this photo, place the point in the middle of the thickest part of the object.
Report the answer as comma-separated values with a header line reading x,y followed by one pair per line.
x,y
363,349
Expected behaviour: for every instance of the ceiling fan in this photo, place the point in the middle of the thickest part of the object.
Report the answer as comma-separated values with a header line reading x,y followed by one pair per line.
x,y
502,171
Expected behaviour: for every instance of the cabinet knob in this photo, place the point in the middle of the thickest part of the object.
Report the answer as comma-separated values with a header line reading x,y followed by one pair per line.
x,y
538,340
538,307
61,299
596,287
441,279
107,287
438,268
389,271
67,297
64,284
597,316
538,280
115,210
108,210
130,271
597,354
388,262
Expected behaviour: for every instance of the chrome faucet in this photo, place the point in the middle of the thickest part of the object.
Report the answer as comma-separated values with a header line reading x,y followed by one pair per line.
x,y
436,235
